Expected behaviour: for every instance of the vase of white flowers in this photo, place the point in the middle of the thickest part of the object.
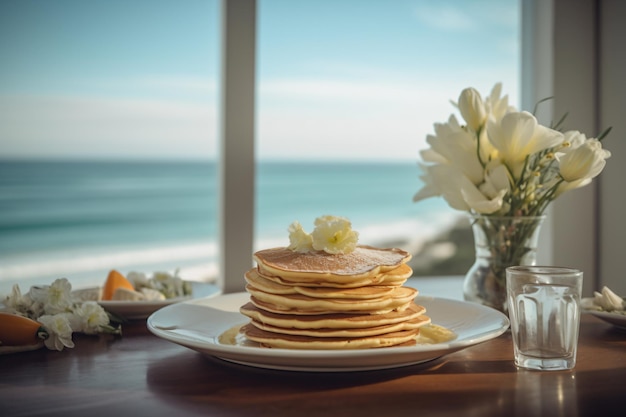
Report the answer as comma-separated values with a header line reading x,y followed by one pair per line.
x,y
500,242
503,168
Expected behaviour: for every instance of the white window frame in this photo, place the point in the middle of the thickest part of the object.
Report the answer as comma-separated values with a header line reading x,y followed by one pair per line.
x,y
571,51
237,157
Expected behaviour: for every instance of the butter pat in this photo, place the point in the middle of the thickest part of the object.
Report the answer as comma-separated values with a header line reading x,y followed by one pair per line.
x,y
433,333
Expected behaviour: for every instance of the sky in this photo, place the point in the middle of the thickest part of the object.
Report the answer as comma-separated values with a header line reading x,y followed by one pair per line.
x,y
336,79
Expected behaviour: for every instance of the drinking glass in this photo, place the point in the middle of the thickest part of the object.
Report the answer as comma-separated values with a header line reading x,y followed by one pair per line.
x,y
544,310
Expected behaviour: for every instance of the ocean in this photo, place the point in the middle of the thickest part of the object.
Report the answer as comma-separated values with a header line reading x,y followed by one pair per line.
x,y
80,219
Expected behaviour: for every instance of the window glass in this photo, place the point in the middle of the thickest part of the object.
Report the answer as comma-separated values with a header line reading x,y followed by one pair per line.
x,y
348,92
108,130
108,125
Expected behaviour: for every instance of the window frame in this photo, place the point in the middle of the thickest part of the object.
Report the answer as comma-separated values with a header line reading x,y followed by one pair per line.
x,y
236,180
570,51
557,35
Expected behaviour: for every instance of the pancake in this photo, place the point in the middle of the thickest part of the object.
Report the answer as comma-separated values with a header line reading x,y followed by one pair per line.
x,y
394,277
254,278
359,293
282,310
301,304
337,320
350,332
346,296
318,266
283,341
367,292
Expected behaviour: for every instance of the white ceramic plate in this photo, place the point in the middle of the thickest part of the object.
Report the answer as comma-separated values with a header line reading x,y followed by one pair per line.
x,y
198,325
138,310
618,320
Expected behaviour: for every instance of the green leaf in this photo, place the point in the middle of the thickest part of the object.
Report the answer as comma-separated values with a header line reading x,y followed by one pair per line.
x,y
539,102
560,122
604,134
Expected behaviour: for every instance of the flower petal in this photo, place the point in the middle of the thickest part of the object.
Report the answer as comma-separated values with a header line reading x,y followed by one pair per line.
x,y
584,162
299,240
449,181
518,135
472,109
334,235
480,203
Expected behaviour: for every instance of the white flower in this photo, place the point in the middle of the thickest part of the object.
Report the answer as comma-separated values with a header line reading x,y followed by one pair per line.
x,y
18,302
457,147
504,162
608,300
517,136
497,106
55,298
478,201
334,235
299,240
496,182
59,331
61,312
169,285
89,317
461,193
429,189
493,189
472,109
446,181
568,186
583,162
572,139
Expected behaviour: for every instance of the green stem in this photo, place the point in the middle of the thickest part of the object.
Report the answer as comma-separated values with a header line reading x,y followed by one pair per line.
x,y
42,333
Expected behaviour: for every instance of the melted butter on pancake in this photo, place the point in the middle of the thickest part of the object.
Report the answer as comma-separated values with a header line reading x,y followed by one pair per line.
x,y
231,336
434,333
235,336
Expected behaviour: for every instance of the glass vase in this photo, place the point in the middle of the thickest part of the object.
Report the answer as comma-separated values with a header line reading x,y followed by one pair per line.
x,y
499,242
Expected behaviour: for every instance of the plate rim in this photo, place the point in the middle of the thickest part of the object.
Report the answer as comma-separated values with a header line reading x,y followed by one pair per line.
x,y
618,320
234,354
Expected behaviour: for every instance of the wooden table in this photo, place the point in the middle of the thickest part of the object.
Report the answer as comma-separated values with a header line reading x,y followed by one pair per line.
x,y
142,375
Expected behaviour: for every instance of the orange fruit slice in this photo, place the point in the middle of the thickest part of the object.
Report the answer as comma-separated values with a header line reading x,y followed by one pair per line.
x,y
114,281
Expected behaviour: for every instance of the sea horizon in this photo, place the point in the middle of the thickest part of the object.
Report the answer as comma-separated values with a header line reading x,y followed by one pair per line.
x,y
79,219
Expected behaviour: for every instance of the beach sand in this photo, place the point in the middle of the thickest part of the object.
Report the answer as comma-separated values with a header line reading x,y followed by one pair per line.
x,y
447,252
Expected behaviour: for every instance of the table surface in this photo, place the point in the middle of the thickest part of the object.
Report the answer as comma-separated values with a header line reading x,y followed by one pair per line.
x,y
140,374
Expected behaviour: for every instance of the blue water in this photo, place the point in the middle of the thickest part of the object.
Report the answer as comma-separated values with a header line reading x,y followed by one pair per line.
x,y
76,218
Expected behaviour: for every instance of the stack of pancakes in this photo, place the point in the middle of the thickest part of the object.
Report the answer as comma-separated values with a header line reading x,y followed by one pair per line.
x,y
316,300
